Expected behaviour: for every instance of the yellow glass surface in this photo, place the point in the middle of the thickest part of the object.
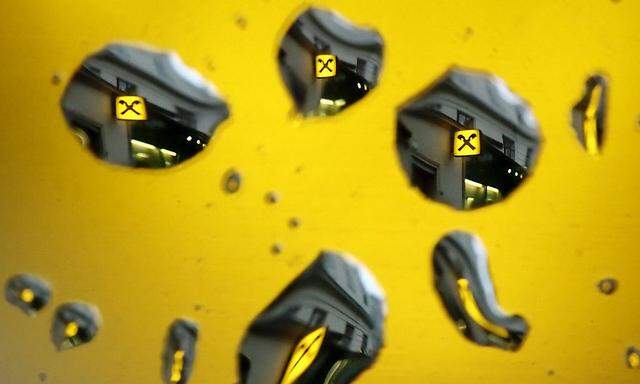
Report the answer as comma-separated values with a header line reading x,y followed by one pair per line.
x,y
466,142
326,66
146,246
303,355
130,108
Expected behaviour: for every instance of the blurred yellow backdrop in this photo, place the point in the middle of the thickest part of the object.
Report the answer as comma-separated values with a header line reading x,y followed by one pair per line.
x,y
147,246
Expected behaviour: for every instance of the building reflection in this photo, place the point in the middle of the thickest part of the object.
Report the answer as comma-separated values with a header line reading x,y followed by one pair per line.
x,y
183,109
459,101
358,54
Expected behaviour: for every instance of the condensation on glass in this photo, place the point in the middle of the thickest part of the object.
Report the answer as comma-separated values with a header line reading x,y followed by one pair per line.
x,y
588,116
467,140
136,107
27,292
180,352
75,324
463,282
325,327
328,63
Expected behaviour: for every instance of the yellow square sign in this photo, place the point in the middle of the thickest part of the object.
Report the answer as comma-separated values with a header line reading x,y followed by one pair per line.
x,y
466,142
130,108
326,66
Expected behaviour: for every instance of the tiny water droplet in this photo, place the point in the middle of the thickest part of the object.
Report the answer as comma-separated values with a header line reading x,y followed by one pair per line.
x,y
27,292
232,181
276,248
608,286
294,222
272,197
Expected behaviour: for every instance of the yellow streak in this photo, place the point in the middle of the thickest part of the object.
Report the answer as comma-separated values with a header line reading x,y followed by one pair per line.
x,y
472,309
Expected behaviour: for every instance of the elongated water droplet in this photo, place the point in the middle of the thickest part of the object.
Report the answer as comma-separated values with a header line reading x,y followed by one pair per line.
x,y
27,292
180,352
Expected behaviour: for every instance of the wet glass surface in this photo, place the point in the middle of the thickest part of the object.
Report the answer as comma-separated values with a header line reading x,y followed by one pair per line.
x,y
27,292
328,63
464,284
588,116
467,141
180,352
137,107
325,327
74,324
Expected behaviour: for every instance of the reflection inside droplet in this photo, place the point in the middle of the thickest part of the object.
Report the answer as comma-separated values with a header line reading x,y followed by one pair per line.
x,y
463,282
141,108
180,352
328,63
467,141
74,324
325,327
589,114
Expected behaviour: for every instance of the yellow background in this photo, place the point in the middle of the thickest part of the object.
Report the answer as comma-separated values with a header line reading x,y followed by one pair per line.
x,y
146,246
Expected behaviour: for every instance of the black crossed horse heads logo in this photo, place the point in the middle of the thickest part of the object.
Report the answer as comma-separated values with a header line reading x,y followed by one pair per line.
x,y
466,142
325,64
129,107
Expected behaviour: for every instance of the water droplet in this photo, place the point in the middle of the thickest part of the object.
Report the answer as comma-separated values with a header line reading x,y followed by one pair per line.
x,y
294,222
241,22
27,292
232,181
588,116
467,140
42,377
276,248
329,318
56,79
633,357
608,286
75,324
346,61
272,197
141,108
464,285
180,351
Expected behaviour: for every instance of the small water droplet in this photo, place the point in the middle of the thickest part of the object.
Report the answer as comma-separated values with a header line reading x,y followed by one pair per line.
x,y
232,181
276,248
272,197
241,22
42,376
633,357
74,324
56,79
180,351
608,286
27,292
294,222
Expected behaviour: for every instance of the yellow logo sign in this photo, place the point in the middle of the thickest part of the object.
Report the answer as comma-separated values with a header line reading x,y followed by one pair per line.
x,y
303,355
130,108
326,66
466,142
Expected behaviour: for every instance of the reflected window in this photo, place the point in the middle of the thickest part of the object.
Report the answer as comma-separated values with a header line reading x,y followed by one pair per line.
x,y
467,141
328,63
141,108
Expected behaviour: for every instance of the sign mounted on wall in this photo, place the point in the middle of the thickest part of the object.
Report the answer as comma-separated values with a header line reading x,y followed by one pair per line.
x,y
130,108
466,142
